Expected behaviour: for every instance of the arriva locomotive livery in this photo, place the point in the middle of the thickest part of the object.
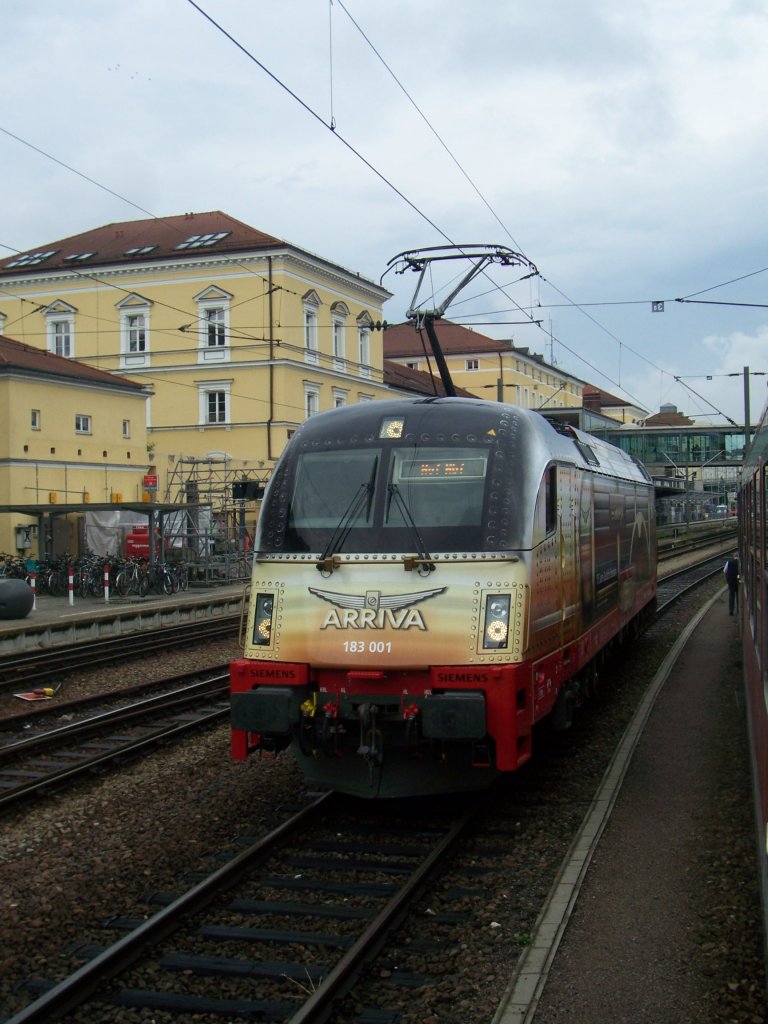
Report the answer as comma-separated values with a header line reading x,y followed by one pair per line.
x,y
433,577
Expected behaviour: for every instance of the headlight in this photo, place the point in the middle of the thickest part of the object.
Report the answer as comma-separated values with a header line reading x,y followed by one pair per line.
x,y
262,620
496,625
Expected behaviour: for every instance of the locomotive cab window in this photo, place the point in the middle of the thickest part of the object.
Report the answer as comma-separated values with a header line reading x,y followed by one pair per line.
x,y
436,488
386,499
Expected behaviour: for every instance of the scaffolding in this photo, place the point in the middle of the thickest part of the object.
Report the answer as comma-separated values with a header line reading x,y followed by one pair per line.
x,y
215,533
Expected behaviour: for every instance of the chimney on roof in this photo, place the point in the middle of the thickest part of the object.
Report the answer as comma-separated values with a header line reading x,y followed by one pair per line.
x,y
591,400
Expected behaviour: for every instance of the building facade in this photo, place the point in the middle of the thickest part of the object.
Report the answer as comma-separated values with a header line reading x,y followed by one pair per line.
x,y
73,435
240,335
485,367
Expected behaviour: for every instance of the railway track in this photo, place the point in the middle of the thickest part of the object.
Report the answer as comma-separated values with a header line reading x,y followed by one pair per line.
x,y
46,760
325,888
203,968
676,585
38,668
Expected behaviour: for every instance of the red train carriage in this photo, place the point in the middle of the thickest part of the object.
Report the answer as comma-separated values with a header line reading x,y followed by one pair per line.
x,y
753,516
432,578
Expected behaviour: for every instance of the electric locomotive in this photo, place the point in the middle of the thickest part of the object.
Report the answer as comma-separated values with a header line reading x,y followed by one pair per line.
x,y
432,578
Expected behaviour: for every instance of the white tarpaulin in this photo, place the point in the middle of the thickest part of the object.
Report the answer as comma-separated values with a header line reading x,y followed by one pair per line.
x,y
104,530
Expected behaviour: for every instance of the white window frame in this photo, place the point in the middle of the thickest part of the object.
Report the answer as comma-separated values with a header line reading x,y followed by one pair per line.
x,y
126,428
311,399
205,390
471,364
213,307
60,329
339,397
83,423
364,325
311,343
339,314
134,336
36,420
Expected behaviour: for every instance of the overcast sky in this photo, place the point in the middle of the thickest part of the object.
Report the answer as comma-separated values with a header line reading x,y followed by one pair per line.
x,y
622,148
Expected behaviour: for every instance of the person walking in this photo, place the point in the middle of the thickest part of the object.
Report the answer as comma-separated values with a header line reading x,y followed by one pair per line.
x,y
731,570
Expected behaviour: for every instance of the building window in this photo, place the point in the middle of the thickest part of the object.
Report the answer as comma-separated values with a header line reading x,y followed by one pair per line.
x,y
364,344
339,314
216,407
62,337
339,398
3,318
126,428
311,399
134,331
60,329
214,402
412,366
137,333
213,317
35,420
471,364
311,306
82,424
215,326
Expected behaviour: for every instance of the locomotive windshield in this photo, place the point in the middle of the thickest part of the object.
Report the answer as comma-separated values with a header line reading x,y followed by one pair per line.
x,y
372,500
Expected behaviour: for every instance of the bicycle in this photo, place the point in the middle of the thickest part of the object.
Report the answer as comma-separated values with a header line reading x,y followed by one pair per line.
x,y
132,579
180,577
160,578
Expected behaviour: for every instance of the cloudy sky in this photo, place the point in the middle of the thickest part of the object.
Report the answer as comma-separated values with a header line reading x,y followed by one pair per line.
x,y
622,148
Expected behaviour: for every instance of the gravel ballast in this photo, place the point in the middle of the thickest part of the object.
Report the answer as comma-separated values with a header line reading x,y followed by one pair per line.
x,y
72,859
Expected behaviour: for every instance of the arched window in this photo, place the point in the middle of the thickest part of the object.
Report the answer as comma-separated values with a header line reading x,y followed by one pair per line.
x,y
339,314
60,329
364,323
134,331
311,345
213,325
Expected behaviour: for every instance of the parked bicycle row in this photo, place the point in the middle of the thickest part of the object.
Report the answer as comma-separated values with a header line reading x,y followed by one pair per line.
x,y
92,575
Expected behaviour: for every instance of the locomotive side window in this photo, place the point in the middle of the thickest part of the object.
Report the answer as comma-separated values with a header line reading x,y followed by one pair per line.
x,y
545,516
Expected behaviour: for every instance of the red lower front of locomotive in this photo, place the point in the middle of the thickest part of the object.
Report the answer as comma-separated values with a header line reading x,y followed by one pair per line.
x,y
486,711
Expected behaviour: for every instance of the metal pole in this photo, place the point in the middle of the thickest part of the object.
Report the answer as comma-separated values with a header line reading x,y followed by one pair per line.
x,y
747,430
445,376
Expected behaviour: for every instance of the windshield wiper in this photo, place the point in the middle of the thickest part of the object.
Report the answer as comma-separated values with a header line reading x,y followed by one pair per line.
x,y
424,558
338,537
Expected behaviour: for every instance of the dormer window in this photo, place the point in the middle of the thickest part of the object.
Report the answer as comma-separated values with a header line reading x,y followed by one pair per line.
x,y
78,257
199,241
31,259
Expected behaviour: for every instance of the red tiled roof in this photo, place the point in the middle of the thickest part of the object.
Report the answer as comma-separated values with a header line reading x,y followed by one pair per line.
x,y
404,377
113,242
604,398
401,340
15,355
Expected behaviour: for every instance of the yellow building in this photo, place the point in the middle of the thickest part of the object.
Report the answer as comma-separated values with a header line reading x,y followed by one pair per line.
x,y
240,334
73,435
485,367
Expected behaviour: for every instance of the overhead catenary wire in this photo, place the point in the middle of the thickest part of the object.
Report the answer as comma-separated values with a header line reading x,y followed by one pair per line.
x,y
331,126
